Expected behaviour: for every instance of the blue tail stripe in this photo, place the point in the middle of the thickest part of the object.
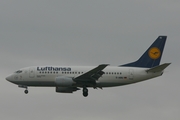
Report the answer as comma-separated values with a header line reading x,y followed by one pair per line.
x,y
152,56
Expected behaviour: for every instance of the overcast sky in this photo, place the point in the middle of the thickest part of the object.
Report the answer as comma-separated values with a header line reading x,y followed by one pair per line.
x,y
89,32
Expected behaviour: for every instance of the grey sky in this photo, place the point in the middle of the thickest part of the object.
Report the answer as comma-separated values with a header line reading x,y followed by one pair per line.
x,y
82,32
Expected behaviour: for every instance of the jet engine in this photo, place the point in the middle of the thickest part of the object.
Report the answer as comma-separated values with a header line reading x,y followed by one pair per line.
x,y
64,81
66,89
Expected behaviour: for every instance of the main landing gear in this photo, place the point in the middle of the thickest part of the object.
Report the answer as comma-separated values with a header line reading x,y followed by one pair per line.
x,y
85,92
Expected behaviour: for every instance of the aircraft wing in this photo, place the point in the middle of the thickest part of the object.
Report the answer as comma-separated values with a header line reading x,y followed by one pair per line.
x,y
92,75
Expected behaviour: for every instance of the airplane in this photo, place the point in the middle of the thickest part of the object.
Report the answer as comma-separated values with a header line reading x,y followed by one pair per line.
x,y
68,79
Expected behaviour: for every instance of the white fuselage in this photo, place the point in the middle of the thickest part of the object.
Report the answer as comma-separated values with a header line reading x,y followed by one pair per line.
x,y
46,75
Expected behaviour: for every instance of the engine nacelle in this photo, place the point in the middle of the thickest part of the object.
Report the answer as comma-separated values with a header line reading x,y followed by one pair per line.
x,y
64,81
66,89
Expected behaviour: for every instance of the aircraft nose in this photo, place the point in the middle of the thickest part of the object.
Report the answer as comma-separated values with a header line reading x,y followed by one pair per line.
x,y
9,78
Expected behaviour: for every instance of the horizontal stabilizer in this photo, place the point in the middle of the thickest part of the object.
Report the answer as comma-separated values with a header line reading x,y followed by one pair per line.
x,y
158,68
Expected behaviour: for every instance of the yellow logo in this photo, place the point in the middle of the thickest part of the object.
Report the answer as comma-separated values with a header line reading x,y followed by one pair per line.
x,y
154,53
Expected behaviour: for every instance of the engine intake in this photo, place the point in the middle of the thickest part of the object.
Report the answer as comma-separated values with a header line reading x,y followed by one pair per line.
x,y
64,81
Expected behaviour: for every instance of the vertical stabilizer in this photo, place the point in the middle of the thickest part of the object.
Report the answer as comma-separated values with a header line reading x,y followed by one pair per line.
x,y
152,56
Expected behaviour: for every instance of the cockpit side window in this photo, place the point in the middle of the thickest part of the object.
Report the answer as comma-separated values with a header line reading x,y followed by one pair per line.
x,y
19,71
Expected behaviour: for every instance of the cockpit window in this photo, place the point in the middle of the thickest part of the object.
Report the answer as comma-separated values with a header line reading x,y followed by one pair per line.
x,y
19,71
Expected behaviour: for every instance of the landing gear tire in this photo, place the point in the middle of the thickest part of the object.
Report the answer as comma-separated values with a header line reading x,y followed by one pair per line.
x,y
85,92
26,91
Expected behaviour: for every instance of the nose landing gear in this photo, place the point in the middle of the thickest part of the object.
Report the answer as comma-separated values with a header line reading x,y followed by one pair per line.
x,y
26,90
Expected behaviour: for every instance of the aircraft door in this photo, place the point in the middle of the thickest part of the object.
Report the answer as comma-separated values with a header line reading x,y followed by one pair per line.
x,y
131,74
31,72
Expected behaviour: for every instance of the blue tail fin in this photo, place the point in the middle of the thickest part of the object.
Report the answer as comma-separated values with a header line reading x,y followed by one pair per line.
x,y
152,56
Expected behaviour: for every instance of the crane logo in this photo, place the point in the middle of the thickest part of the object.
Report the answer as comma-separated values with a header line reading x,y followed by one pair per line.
x,y
154,53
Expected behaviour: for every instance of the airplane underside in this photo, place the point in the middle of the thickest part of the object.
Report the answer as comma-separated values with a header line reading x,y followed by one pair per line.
x,y
67,89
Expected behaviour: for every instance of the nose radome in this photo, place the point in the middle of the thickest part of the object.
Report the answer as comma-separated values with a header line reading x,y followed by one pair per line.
x,y
9,78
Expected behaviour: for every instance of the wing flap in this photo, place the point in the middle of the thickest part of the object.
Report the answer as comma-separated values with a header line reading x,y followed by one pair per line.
x,y
92,75
97,75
